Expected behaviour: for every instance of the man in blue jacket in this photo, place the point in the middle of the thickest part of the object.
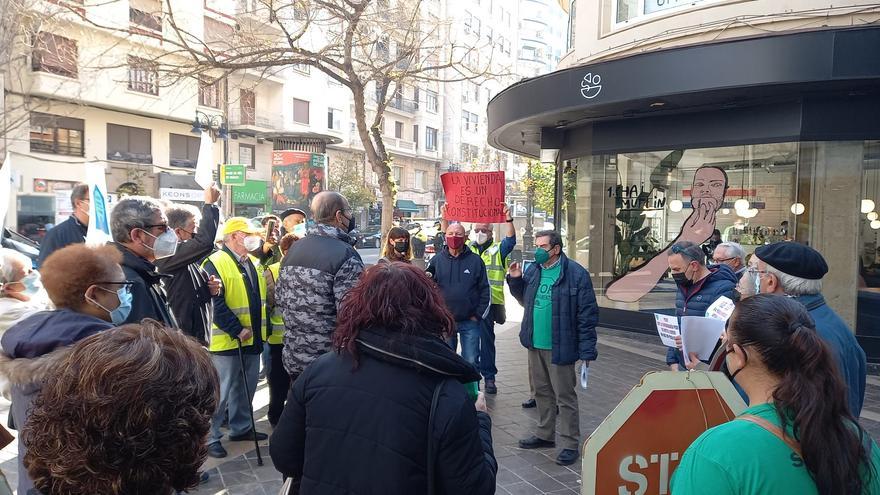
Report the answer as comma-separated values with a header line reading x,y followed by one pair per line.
x,y
71,231
558,329
698,287
461,276
797,270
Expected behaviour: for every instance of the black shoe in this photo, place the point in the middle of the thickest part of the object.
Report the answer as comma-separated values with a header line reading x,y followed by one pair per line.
x,y
567,457
491,388
536,443
529,404
216,451
248,436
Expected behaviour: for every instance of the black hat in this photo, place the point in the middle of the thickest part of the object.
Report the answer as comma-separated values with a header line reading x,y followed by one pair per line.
x,y
794,259
290,211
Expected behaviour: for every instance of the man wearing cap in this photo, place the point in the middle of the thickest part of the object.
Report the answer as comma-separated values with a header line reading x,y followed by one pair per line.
x,y
290,218
240,319
796,270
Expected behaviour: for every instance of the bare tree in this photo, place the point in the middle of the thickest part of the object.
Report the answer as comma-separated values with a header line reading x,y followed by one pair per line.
x,y
375,48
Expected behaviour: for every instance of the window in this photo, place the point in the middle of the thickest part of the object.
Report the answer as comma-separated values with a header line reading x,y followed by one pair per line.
x,y
416,136
468,22
184,150
430,139
146,14
248,106
129,144
416,97
303,68
382,50
211,92
469,121
54,134
300,111
333,119
398,129
477,27
54,54
246,155
421,180
397,172
431,101
143,76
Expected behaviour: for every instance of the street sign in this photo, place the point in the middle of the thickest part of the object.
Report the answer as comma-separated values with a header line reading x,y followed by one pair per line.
x,y
233,175
638,446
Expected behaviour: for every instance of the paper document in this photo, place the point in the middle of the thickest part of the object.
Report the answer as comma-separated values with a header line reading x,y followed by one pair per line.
x,y
700,335
721,309
667,327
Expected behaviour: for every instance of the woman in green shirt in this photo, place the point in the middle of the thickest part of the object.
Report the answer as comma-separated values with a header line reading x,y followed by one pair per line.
x,y
798,437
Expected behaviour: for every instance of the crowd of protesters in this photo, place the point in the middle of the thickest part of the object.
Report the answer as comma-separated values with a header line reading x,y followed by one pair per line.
x,y
127,364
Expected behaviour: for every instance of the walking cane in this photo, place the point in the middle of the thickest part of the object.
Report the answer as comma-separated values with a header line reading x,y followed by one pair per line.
x,y
250,404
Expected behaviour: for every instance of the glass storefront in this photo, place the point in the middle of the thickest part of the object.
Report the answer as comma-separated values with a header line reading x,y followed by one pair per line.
x,y
623,209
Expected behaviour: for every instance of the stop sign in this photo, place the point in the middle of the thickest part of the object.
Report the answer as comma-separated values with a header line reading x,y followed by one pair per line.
x,y
638,446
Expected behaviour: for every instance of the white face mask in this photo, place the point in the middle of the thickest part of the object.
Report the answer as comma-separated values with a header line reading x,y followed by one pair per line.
x,y
165,244
252,242
482,237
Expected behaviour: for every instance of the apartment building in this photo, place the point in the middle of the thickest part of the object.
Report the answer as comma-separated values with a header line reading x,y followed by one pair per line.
x,y
542,37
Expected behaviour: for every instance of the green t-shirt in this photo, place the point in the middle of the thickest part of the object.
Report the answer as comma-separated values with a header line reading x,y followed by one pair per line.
x,y
742,458
542,315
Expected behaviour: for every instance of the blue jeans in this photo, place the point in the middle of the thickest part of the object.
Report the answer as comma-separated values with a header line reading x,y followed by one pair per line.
x,y
233,396
487,348
470,332
266,358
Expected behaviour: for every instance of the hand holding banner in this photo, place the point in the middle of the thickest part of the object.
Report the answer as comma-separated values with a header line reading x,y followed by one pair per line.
x,y
474,196
205,163
99,209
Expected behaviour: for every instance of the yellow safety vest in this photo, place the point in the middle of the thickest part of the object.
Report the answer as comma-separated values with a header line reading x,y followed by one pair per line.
x,y
494,269
277,334
236,295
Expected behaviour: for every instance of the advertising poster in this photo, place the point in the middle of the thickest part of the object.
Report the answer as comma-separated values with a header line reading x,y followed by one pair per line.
x,y
297,176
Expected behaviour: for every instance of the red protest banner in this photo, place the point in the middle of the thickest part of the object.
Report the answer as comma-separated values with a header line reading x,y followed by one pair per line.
x,y
474,196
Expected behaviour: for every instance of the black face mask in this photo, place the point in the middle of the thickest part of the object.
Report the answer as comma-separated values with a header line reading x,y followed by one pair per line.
x,y
737,297
351,224
401,246
682,279
730,376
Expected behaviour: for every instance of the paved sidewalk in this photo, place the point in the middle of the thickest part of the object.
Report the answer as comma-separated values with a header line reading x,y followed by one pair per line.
x,y
623,359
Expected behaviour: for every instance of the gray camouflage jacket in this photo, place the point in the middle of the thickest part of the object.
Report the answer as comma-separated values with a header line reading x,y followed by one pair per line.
x,y
315,275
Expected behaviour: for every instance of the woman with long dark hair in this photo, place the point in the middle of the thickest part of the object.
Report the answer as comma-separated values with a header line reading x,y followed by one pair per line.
x,y
798,436
397,246
387,412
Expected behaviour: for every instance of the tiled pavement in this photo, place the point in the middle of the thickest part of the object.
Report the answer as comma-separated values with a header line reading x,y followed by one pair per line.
x,y
623,359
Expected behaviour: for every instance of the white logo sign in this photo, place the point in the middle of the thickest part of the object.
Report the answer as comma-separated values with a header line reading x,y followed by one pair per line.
x,y
590,86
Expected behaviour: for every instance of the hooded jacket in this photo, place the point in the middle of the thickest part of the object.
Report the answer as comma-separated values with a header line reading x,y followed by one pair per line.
x,y
148,297
364,430
316,274
31,349
463,282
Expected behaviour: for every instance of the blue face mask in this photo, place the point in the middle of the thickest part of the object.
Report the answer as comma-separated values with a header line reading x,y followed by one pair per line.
x,y
120,314
32,283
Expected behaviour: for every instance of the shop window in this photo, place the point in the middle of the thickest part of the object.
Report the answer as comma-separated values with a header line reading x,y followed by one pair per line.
x,y
184,150
143,76
54,54
35,214
55,134
129,144
300,111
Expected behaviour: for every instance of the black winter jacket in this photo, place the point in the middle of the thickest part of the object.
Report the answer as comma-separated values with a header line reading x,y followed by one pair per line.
x,y
188,292
68,232
463,282
148,298
364,430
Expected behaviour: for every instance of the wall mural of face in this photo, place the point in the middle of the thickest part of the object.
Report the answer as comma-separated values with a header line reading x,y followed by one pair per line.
x,y
709,188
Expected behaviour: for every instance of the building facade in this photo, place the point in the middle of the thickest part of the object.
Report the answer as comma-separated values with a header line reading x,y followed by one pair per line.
x,y
780,95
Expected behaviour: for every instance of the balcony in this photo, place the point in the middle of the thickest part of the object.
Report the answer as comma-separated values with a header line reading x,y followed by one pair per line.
x,y
254,122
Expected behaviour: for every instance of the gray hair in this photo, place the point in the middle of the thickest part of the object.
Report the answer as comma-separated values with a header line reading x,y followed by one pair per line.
x,y
133,212
689,251
11,260
180,214
555,238
80,192
733,250
795,286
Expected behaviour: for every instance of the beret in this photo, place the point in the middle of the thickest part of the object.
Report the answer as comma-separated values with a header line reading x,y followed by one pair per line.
x,y
290,211
794,259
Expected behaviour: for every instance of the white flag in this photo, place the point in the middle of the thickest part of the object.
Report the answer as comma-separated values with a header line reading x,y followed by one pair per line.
x,y
99,206
5,188
205,164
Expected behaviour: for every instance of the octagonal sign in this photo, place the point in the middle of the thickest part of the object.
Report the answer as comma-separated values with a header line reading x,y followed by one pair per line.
x,y
637,447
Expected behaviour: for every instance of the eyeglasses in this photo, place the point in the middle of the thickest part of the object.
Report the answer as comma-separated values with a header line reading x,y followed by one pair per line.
x,y
163,225
126,284
752,270
485,231
722,260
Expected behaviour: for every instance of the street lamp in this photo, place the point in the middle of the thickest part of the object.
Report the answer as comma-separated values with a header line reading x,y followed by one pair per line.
x,y
216,125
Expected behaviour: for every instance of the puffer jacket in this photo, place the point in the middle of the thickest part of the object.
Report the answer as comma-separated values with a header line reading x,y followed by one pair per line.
x,y
31,349
695,300
148,296
364,430
317,272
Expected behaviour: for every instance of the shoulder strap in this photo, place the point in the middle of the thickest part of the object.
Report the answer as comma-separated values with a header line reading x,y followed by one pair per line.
x,y
775,430
431,460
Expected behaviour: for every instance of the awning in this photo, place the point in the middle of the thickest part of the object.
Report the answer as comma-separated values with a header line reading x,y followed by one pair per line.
x,y
179,181
407,206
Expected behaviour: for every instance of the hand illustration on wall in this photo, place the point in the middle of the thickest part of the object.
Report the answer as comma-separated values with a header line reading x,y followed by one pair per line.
x,y
707,197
